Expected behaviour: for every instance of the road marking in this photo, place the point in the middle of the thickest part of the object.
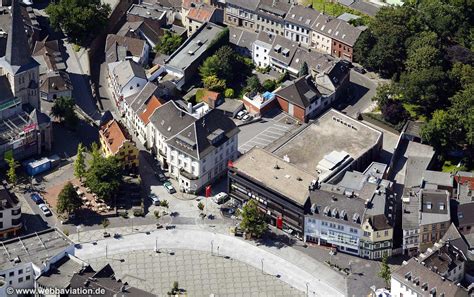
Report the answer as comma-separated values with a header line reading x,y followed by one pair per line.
x,y
265,137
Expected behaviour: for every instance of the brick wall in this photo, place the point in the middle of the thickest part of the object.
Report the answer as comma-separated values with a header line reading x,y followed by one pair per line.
x,y
341,50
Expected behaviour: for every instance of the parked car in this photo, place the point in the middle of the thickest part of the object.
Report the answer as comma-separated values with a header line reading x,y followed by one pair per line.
x,y
154,199
220,198
160,176
247,118
360,70
45,210
169,187
241,114
37,198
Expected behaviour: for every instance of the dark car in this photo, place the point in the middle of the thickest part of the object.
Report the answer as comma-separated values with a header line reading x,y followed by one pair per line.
x,y
37,198
160,176
360,70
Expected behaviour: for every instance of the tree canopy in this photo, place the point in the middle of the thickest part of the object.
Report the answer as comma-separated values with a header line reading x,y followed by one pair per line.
x,y
80,163
78,18
169,43
63,109
104,177
253,220
68,199
426,48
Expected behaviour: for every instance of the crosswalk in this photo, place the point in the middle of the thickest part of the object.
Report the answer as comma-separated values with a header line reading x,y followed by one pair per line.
x,y
265,137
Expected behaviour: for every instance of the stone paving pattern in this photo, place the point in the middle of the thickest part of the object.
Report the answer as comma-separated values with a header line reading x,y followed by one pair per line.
x,y
197,272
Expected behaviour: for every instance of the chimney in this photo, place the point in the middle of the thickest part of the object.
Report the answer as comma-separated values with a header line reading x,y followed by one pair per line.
x,y
190,107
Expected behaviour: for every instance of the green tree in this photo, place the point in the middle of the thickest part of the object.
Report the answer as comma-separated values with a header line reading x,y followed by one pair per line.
x,y
229,93
441,131
303,70
11,173
78,18
169,43
68,200
96,154
423,52
63,109
269,85
253,220
253,84
213,83
210,67
385,272
462,75
80,163
104,177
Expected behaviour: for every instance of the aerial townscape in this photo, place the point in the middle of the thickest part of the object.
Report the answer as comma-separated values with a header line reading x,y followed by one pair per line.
x,y
218,148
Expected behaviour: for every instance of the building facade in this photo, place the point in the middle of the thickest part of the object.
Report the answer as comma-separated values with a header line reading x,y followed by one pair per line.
x,y
10,213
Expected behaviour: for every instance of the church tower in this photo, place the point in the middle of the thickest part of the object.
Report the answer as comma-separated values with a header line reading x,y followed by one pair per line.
x,y
20,68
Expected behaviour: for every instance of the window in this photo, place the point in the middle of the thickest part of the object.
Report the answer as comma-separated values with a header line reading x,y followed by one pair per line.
x,y
20,271
12,273
27,277
20,280
367,234
385,233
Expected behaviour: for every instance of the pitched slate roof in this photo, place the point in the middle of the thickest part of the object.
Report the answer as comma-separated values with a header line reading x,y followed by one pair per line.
x,y
17,52
143,96
247,4
169,119
205,134
126,70
343,32
118,47
425,275
301,92
274,9
283,49
302,16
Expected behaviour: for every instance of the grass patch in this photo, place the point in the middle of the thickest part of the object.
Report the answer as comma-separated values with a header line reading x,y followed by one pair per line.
x,y
414,111
451,165
336,9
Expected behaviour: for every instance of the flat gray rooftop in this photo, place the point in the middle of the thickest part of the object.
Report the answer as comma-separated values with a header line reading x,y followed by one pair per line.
x,y
147,11
194,47
276,174
333,131
35,248
60,275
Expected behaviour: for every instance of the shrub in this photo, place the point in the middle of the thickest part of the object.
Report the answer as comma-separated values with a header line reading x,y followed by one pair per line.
x,y
269,85
201,206
138,212
229,93
164,203
394,112
157,214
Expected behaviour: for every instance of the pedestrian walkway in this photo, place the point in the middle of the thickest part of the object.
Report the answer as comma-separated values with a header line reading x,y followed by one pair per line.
x,y
286,263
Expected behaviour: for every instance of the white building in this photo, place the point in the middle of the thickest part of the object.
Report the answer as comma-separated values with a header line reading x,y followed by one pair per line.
x,y
126,78
165,122
10,213
25,258
298,23
199,154
319,37
261,49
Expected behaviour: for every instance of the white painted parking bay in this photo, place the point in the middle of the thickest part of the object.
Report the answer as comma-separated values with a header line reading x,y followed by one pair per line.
x,y
265,137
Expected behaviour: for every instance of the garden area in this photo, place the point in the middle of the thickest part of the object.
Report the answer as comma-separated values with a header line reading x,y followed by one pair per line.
x,y
335,9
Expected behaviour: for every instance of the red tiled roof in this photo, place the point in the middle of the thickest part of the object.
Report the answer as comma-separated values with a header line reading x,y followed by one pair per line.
x,y
151,106
113,134
202,14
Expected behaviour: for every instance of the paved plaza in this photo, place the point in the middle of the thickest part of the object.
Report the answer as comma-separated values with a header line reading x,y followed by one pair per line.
x,y
197,272
281,263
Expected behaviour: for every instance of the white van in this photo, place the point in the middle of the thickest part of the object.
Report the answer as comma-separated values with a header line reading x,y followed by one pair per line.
x,y
220,198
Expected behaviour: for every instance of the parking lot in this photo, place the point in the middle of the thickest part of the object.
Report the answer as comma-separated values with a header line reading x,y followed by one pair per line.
x,y
260,134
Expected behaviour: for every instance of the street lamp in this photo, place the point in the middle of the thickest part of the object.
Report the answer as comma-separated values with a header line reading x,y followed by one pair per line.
x,y
262,265
212,247
217,251
307,289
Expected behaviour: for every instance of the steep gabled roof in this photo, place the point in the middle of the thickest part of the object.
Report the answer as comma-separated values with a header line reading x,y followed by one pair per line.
x,y
301,92
205,134
150,108
169,119
17,52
